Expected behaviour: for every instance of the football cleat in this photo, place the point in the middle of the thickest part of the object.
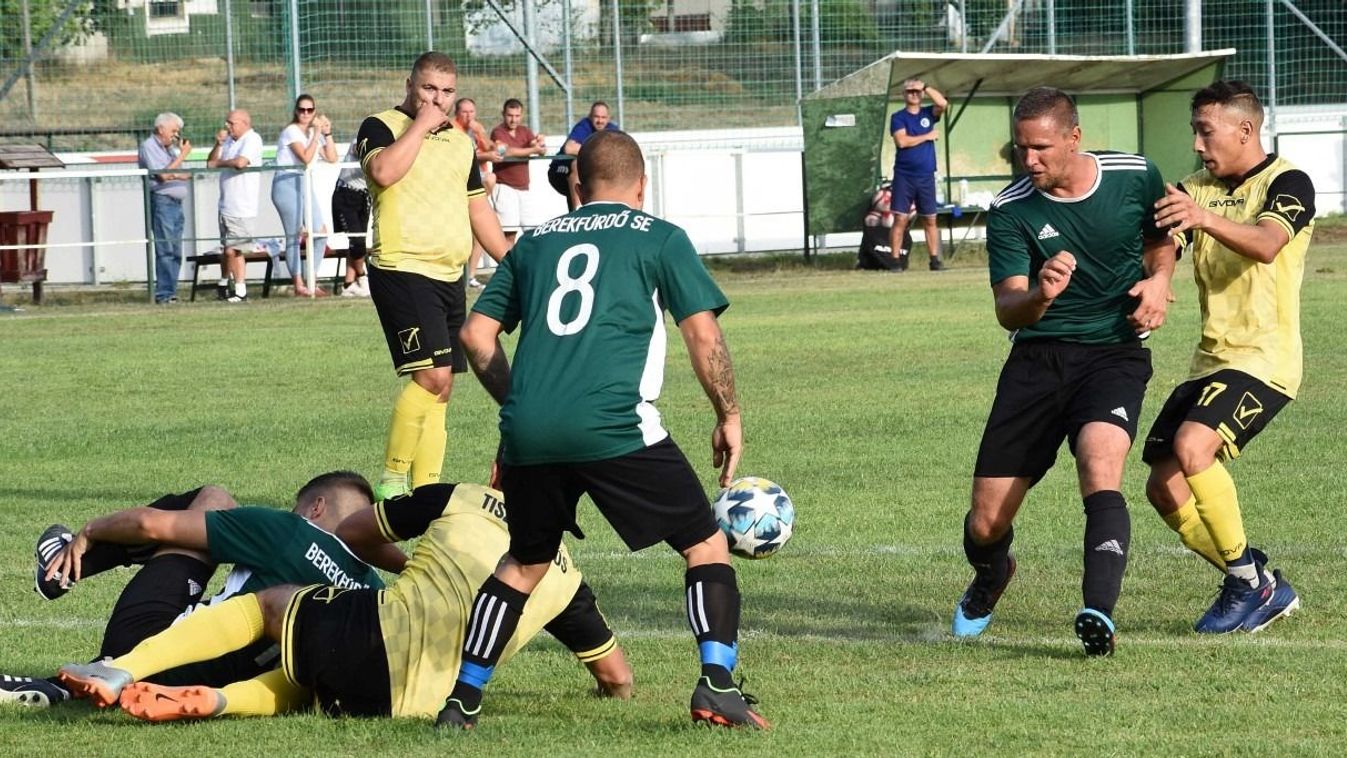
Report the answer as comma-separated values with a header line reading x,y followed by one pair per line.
x,y
1096,632
454,716
34,693
96,681
973,612
1234,604
725,707
153,702
53,540
1284,600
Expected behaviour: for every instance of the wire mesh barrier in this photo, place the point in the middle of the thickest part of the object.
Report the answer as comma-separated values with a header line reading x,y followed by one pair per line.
x,y
78,74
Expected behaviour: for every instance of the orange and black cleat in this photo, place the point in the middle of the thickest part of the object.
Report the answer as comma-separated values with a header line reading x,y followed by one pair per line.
x,y
154,702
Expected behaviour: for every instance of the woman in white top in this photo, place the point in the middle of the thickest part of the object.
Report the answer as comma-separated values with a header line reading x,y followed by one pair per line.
x,y
307,134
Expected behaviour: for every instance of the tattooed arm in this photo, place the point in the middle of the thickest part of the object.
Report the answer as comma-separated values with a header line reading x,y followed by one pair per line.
x,y
711,362
480,338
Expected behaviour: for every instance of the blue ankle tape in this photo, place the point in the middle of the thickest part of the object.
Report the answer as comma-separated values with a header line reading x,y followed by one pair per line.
x,y
718,654
475,675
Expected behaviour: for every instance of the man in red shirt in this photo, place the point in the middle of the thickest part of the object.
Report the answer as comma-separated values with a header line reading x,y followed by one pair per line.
x,y
515,144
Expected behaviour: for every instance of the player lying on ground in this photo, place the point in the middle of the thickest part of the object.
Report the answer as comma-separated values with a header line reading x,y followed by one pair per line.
x,y
365,652
180,539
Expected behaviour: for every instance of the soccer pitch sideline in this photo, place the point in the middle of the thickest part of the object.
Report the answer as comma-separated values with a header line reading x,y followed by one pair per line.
x,y
864,396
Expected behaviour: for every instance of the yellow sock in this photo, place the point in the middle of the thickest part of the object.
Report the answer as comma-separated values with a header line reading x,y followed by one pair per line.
x,y
1194,533
1218,505
430,448
207,633
404,431
266,695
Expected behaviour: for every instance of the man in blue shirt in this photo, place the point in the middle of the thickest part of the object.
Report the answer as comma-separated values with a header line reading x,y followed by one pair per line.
x,y
164,150
914,135
561,174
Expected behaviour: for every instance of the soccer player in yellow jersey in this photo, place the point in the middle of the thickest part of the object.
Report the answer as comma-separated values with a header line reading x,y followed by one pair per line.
x,y
1246,217
428,205
368,652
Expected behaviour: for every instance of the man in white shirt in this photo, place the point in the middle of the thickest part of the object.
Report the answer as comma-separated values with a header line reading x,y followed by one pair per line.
x,y
237,147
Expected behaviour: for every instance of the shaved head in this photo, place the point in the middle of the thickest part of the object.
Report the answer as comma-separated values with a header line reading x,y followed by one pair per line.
x,y
611,158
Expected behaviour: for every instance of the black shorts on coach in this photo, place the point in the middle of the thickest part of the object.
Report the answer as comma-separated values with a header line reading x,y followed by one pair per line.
x,y
420,318
1231,403
333,645
1048,390
649,496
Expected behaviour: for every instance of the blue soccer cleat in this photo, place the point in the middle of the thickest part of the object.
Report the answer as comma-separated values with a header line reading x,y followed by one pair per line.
x,y
973,612
1235,603
1096,632
1284,600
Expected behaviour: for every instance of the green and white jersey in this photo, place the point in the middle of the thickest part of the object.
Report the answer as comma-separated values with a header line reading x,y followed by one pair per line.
x,y
589,290
269,546
1103,229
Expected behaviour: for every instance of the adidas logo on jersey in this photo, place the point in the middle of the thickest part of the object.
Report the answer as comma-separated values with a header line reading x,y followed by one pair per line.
x,y
1110,546
1121,413
1047,232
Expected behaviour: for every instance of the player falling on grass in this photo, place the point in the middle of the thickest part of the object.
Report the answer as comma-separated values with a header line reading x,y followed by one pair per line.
x,y
178,540
1247,217
367,652
588,291
428,205
1080,274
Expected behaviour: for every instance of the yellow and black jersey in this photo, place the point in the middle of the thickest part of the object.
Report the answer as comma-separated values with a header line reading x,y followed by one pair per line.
x,y
422,616
1251,310
421,221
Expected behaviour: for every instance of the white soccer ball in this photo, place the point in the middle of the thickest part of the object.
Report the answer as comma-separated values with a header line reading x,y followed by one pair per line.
x,y
756,516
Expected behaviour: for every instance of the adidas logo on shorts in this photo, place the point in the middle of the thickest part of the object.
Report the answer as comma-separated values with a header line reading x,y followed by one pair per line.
x,y
1047,232
1121,413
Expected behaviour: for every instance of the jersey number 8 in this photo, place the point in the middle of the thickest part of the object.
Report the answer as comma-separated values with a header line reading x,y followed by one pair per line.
x,y
566,284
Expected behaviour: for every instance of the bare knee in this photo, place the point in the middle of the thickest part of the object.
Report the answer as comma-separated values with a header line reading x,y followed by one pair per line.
x,y
713,549
212,498
438,381
274,601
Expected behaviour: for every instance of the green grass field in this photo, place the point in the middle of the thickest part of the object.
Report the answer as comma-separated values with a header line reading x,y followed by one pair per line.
x,y
864,395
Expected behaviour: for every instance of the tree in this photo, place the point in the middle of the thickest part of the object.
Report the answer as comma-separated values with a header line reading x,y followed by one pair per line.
x,y
42,15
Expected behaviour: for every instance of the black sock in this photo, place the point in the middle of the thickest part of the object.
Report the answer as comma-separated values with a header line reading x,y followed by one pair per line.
x,y
167,585
102,556
495,615
991,561
1108,533
712,595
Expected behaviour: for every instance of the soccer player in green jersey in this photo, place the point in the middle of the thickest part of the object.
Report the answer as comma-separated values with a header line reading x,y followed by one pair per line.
x,y
1080,274
180,539
588,292
360,651
1247,217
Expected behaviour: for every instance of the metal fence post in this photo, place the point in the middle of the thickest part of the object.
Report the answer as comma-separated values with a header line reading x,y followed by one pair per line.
x,y
813,29
229,49
1271,69
570,78
430,27
799,64
149,236
1052,27
531,66
296,82
1192,32
617,57
1131,28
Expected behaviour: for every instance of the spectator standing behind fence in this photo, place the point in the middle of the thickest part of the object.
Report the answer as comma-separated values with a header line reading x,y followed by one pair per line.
x,y
307,134
164,150
914,135
237,147
562,174
350,217
465,120
515,144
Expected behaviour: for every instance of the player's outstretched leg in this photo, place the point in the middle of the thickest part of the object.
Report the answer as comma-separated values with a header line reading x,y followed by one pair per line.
x,y
32,692
1108,538
96,681
153,702
495,616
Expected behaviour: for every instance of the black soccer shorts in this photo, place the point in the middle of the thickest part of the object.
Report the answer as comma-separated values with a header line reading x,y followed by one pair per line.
x,y
649,496
1048,390
420,318
332,644
1234,404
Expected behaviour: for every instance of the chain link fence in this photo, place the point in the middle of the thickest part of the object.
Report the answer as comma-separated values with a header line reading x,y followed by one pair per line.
x,y
92,74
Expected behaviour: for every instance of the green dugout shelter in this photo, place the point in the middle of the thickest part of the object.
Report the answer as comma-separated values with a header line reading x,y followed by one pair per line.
x,y
1132,103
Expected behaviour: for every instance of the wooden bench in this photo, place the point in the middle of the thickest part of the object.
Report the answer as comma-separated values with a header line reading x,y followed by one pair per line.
x,y
213,259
